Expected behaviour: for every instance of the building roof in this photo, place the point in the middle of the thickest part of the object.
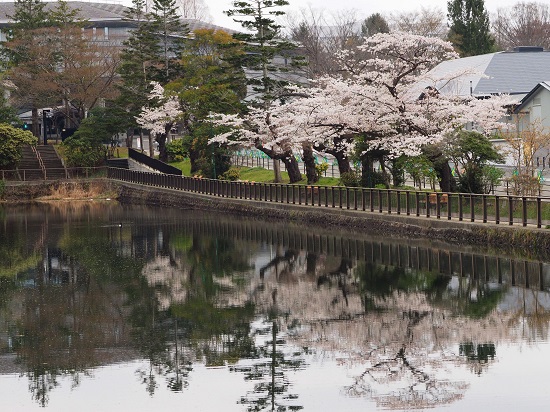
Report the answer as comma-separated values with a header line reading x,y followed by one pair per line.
x,y
514,72
103,12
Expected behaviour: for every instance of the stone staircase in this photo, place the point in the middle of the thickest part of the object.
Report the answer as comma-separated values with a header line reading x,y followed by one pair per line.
x,y
52,163
29,167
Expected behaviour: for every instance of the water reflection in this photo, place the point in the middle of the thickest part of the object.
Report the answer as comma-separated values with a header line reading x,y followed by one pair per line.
x,y
87,284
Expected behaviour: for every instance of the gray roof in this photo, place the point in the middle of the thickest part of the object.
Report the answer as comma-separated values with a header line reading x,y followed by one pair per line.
x,y
103,12
511,72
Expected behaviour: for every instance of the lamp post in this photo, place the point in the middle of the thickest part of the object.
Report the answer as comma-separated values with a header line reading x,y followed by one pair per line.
x,y
210,135
44,124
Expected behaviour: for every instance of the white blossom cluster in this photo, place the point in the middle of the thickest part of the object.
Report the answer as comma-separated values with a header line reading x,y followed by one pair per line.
x,y
377,96
161,111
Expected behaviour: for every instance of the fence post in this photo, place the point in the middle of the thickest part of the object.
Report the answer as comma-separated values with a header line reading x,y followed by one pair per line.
x,y
539,211
484,200
510,211
497,210
398,201
472,211
427,204
524,211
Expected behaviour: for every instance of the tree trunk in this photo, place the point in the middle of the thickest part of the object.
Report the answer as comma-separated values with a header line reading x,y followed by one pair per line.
x,y
309,161
367,171
447,182
151,148
130,138
288,159
163,153
277,177
341,157
194,156
344,165
292,168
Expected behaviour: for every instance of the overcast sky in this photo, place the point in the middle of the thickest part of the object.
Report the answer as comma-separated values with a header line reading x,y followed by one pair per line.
x,y
363,8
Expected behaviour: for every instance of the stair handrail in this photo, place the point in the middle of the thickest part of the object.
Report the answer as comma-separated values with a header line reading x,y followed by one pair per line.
x,y
40,162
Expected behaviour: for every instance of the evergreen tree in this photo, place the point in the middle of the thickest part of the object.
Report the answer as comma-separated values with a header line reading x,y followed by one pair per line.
x,y
375,23
152,53
138,65
24,49
262,44
469,27
171,33
29,15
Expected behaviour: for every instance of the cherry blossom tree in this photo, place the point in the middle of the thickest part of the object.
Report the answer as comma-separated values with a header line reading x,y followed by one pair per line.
x,y
389,99
266,129
159,116
386,98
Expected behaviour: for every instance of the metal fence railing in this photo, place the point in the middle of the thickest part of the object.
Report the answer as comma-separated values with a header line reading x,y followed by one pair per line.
x,y
497,209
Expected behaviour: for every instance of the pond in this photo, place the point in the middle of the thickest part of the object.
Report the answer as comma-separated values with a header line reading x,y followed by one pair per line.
x,y
106,306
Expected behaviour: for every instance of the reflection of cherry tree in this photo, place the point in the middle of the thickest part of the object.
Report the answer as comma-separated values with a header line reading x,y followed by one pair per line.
x,y
409,341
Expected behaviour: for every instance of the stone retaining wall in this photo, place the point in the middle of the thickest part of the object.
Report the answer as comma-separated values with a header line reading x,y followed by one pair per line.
x,y
532,242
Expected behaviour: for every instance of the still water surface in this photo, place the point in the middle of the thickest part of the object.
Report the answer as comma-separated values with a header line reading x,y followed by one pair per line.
x,y
106,307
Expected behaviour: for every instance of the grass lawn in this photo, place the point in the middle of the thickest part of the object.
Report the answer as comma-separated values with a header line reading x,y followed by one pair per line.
x,y
257,174
184,166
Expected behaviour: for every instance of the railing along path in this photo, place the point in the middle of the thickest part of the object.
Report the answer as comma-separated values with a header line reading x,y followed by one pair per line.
x,y
509,210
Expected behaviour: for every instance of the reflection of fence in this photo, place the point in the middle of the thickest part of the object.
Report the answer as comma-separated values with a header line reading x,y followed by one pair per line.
x,y
478,267
451,206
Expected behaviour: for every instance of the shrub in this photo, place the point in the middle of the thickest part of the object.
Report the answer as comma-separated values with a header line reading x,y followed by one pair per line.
x,y
232,174
320,169
83,152
350,179
177,149
491,177
2,188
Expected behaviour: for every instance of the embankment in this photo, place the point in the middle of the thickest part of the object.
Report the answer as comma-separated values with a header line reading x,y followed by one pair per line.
x,y
526,240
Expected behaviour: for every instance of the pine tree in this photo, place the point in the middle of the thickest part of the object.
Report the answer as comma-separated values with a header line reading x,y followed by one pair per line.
x,y
469,30
138,65
171,33
262,44
375,23
23,51
29,15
